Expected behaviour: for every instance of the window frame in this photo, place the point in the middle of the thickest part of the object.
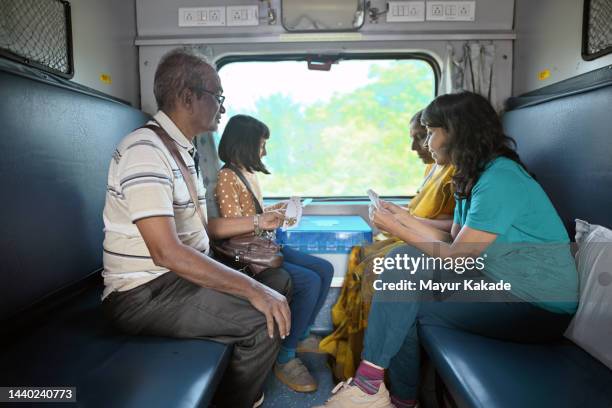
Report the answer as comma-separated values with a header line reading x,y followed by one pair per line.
x,y
305,57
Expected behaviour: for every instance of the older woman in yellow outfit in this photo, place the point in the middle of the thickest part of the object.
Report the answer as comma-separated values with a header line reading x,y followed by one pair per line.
x,y
433,204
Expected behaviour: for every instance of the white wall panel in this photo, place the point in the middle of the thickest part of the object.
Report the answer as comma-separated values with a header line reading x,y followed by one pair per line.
x,y
549,37
103,34
159,18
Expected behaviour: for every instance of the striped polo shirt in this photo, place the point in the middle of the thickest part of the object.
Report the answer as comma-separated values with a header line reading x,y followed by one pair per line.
x,y
145,181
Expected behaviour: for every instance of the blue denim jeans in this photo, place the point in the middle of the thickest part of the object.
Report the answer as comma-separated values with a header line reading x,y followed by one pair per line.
x,y
311,278
392,341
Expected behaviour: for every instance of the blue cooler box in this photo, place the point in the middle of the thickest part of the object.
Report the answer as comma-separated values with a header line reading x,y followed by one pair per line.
x,y
329,237
327,234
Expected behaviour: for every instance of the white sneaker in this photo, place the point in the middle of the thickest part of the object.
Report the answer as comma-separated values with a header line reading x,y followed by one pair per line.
x,y
346,395
259,402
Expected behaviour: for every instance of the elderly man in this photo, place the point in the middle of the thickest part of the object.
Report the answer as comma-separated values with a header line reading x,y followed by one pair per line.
x,y
159,279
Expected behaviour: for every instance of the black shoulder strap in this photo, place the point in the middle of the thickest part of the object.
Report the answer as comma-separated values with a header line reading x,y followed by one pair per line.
x,y
238,173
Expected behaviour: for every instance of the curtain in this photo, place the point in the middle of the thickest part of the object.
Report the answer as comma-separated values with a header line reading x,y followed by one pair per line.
x,y
471,69
209,166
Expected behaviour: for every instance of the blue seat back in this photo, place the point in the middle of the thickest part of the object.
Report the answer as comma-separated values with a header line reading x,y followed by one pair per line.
x,y
564,137
56,143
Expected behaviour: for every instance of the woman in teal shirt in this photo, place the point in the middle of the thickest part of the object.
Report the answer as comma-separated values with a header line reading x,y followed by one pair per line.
x,y
504,222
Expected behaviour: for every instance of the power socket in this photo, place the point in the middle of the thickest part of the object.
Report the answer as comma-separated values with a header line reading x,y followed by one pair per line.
x,y
451,10
201,16
242,15
401,11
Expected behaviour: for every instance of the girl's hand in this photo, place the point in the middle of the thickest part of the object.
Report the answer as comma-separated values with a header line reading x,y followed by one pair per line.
x,y
401,214
391,207
271,220
280,207
383,219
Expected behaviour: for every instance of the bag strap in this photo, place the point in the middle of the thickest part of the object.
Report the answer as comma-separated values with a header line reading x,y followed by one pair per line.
x,y
233,168
171,146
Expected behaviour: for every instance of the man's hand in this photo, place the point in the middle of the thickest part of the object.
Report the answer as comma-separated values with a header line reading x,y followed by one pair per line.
x,y
271,220
275,307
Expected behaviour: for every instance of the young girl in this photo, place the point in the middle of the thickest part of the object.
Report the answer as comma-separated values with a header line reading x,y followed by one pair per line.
x,y
500,209
243,144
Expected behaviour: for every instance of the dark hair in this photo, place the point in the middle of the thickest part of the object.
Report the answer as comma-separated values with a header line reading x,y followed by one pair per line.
x,y
416,119
415,122
179,70
475,135
240,143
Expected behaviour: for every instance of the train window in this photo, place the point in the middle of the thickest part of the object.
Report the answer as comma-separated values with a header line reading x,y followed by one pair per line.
x,y
334,133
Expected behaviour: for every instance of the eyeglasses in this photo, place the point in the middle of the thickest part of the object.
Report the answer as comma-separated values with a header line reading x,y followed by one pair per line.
x,y
219,98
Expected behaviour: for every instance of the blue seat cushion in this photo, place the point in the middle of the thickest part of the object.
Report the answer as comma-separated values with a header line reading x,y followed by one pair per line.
x,y
481,372
77,347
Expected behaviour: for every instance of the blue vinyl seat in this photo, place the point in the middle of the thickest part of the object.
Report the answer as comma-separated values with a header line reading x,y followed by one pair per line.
x,y
76,346
485,373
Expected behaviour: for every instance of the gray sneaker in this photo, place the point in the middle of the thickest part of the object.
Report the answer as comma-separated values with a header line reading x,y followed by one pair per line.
x,y
310,345
295,375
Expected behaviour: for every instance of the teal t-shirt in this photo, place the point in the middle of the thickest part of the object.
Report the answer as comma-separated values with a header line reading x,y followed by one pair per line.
x,y
532,250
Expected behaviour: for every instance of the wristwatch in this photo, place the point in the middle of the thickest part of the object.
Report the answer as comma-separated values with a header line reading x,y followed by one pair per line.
x,y
258,230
